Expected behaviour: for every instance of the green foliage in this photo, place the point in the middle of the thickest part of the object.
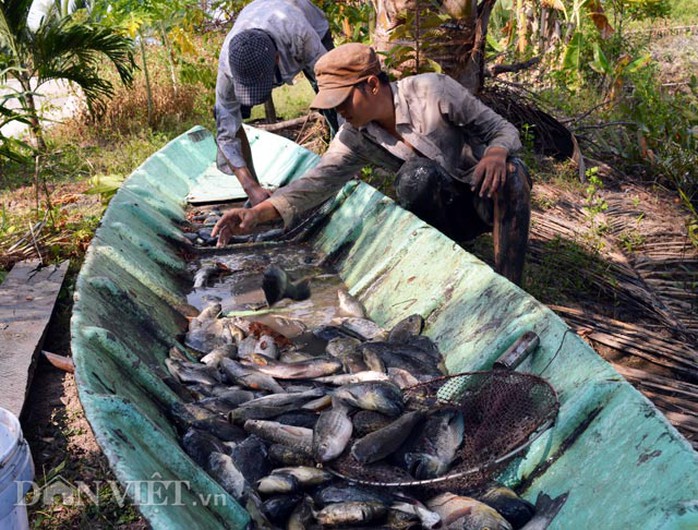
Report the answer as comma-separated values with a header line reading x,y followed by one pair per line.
x,y
350,20
105,186
425,29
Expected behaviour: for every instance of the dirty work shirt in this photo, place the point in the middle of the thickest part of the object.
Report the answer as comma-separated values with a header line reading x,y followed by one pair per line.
x,y
436,115
297,27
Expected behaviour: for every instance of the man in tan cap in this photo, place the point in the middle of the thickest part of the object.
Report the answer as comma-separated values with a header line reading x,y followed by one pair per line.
x,y
451,154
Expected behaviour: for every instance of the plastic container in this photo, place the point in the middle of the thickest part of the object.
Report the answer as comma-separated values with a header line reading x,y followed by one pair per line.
x,y
16,473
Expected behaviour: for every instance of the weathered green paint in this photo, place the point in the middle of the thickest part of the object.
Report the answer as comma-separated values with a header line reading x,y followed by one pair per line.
x,y
622,463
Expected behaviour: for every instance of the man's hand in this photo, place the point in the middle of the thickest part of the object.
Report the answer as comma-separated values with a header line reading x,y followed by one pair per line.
x,y
233,222
243,221
257,194
493,167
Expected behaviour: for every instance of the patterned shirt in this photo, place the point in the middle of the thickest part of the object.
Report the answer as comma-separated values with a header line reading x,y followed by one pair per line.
x,y
435,114
297,28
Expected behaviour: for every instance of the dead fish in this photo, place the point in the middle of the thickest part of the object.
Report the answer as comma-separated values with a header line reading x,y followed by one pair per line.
x,y
186,372
513,508
372,359
332,433
349,306
266,346
236,395
280,433
251,458
383,442
409,358
319,404
345,492
465,513
290,398
209,334
241,414
222,468
199,445
402,378
366,421
278,483
302,515
427,518
294,356
205,273
221,429
214,357
277,285
437,445
290,456
250,377
346,350
299,418
310,369
381,396
278,508
347,513
306,475
406,328
546,510
329,332
358,377
365,329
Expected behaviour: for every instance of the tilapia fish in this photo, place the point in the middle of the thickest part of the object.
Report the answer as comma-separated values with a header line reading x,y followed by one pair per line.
x,y
332,433
277,285
381,396
309,369
436,447
379,444
466,513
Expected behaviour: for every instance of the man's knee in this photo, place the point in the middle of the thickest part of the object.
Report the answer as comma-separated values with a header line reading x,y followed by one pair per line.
x,y
417,184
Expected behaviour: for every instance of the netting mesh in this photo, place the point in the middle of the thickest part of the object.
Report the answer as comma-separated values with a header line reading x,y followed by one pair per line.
x,y
503,411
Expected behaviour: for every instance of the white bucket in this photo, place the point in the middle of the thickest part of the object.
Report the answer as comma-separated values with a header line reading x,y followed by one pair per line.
x,y
16,473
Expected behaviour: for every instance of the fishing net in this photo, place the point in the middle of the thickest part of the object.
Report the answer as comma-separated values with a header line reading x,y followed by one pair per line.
x,y
504,412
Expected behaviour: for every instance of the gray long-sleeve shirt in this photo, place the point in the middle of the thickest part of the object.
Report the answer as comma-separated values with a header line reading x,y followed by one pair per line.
x,y
436,115
297,27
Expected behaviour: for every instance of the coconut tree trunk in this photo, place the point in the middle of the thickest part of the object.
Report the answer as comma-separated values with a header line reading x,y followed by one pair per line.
x,y
459,46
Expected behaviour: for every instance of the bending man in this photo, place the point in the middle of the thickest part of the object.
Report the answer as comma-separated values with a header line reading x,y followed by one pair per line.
x,y
269,44
452,156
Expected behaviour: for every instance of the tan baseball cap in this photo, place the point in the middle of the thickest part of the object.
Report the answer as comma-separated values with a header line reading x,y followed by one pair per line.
x,y
339,70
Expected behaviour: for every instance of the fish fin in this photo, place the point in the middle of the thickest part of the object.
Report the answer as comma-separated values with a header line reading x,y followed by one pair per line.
x,y
548,506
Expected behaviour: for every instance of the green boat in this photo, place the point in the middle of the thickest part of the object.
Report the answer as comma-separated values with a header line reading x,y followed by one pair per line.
x,y
620,462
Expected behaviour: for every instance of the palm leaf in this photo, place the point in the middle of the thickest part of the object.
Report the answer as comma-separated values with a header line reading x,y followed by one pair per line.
x,y
63,50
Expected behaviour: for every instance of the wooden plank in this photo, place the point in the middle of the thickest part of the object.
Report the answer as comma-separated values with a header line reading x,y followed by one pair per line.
x,y
27,298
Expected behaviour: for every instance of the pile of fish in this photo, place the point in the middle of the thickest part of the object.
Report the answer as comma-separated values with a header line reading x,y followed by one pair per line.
x,y
268,421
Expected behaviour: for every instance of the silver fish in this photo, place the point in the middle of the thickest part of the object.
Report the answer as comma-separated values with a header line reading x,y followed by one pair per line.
x,y
402,378
290,398
306,475
349,306
186,372
309,369
364,328
279,433
250,377
358,377
332,433
465,513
